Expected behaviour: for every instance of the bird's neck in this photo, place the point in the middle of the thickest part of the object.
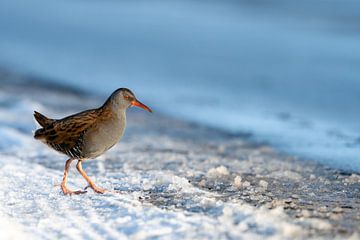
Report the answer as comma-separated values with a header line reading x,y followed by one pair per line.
x,y
113,106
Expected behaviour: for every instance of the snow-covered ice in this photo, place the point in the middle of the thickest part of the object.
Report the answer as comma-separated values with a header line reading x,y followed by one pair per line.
x,y
168,179
31,197
286,72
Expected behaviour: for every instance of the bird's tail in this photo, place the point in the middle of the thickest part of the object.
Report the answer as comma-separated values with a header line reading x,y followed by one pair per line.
x,y
42,120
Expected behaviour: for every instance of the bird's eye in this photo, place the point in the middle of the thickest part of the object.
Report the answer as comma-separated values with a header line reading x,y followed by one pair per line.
x,y
126,97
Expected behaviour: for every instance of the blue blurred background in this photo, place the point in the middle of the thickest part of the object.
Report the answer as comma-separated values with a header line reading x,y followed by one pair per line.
x,y
287,72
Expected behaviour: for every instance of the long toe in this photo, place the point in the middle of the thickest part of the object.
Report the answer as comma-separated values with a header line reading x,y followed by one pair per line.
x,y
98,189
79,192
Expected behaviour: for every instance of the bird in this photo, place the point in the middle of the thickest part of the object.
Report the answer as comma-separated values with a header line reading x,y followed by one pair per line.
x,y
87,134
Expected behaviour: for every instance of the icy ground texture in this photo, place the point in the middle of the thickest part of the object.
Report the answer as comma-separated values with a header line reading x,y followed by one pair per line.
x,y
285,71
169,179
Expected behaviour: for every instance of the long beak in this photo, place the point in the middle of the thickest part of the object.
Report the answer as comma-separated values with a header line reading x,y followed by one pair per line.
x,y
140,105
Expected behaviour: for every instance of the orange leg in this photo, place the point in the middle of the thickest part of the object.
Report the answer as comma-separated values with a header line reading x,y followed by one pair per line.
x,y
91,183
65,190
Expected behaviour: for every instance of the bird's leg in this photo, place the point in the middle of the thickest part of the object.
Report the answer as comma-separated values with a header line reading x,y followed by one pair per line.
x,y
91,183
64,181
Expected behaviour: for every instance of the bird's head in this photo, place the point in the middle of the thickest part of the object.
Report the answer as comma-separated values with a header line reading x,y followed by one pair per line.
x,y
124,98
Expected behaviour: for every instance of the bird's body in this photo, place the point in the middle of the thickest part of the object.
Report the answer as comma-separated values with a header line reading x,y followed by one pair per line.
x,y
105,135
88,134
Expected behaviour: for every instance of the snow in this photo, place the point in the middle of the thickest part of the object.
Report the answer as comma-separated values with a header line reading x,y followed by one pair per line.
x,y
154,178
246,184
283,73
30,198
286,73
237,182
218,172
12,231
263,184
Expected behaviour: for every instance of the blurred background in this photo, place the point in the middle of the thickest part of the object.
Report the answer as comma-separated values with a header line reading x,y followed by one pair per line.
x,y
283,72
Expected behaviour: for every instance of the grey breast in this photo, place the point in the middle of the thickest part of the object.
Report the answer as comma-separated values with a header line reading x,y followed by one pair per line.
x,y
104,136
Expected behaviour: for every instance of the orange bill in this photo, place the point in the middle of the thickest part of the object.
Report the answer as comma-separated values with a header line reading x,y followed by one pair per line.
x,y
140,105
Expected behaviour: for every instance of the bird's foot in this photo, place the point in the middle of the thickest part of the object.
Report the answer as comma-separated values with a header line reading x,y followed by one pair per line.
x,y
67,191
97,189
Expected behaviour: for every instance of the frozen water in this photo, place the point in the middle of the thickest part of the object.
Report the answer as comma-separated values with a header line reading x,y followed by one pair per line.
x,y
279,72
29,197
178,182
285,72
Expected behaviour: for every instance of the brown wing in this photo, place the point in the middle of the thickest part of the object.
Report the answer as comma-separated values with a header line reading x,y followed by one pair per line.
x,y
66,135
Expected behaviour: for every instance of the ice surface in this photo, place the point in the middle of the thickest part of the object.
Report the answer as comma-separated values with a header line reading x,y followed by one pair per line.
x,y
285,72
30,198
168,179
